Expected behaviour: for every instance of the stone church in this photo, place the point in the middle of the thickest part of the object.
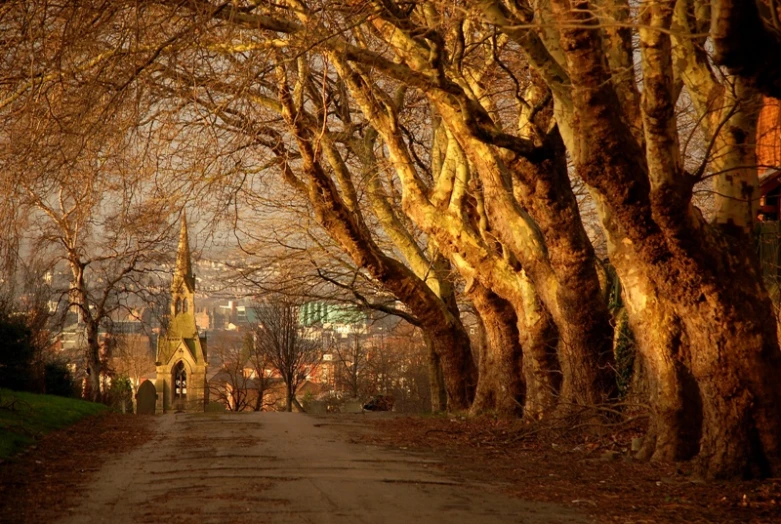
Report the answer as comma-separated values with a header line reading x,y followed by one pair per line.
x,y
181,353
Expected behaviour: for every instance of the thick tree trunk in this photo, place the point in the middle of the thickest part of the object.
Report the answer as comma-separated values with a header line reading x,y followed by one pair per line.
x,y
746,42
452,346
736,362
446,293
714,364
676,411
436,379
571,288
710,344
500,386
538,338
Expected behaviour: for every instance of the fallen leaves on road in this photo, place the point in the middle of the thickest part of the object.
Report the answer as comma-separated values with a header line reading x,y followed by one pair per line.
x,y
596,474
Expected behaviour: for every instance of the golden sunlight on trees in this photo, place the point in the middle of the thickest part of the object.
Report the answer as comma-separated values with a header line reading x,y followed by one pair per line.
x,y
431,148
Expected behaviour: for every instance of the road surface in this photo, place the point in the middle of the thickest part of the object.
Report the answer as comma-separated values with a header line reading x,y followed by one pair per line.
x,y
284,468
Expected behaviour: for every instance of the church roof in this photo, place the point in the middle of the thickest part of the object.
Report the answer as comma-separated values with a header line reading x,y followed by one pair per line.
x,y
168,346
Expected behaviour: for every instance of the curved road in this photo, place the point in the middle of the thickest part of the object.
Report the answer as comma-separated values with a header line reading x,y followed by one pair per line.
x,y
285,468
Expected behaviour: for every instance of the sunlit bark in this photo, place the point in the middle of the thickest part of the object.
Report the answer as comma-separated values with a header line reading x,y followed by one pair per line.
x,y
500,388
727,342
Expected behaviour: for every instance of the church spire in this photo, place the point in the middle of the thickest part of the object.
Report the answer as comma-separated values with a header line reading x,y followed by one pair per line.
x,y
183,272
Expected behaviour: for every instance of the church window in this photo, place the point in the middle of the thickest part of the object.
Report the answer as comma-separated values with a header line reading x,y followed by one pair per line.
x,y
184,305
177,306
180,381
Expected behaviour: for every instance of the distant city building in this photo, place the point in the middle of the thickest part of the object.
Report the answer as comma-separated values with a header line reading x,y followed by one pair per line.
x,y
341,319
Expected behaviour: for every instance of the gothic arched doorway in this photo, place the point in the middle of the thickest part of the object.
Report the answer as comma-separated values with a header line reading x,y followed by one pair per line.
x,y
179,386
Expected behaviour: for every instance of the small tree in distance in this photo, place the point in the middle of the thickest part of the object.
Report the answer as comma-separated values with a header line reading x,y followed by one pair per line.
x,y
231,386
279,338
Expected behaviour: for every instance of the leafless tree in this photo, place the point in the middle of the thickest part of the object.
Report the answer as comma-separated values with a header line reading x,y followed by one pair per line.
x,y
351,361
131,356
279,337
232,384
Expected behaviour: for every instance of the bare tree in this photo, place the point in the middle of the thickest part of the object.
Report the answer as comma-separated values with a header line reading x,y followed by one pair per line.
x,y
279,338
244,374
351,358
132,356
103,266
232,384
260,362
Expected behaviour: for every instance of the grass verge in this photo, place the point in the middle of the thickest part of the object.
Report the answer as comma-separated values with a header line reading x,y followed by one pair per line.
x,y
25,417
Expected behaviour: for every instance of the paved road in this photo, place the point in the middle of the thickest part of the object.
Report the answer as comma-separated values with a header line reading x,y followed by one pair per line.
x,y
283,468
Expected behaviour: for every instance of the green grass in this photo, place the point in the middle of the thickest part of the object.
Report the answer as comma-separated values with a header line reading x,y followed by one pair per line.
x,y
25,417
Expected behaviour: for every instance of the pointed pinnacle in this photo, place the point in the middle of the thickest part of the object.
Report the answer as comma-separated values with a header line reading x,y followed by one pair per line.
x,y
183,270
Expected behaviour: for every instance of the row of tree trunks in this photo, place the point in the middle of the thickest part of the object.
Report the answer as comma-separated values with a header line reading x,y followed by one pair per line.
x,y
703,278
449,338
562,265
588,371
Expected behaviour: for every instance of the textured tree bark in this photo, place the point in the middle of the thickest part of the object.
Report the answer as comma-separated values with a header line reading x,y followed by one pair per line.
x,y
577,304
500,386
435,378
704,279
556,255
676,410
736,363
540,363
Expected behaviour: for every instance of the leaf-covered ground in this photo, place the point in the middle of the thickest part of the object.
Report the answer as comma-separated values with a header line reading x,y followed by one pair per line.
x,y
41,484
593,474
596,474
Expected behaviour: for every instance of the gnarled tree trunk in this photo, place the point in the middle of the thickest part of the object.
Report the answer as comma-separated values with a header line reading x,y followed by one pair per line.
x,y
676,410
704,277
540,363
436,379
500,387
